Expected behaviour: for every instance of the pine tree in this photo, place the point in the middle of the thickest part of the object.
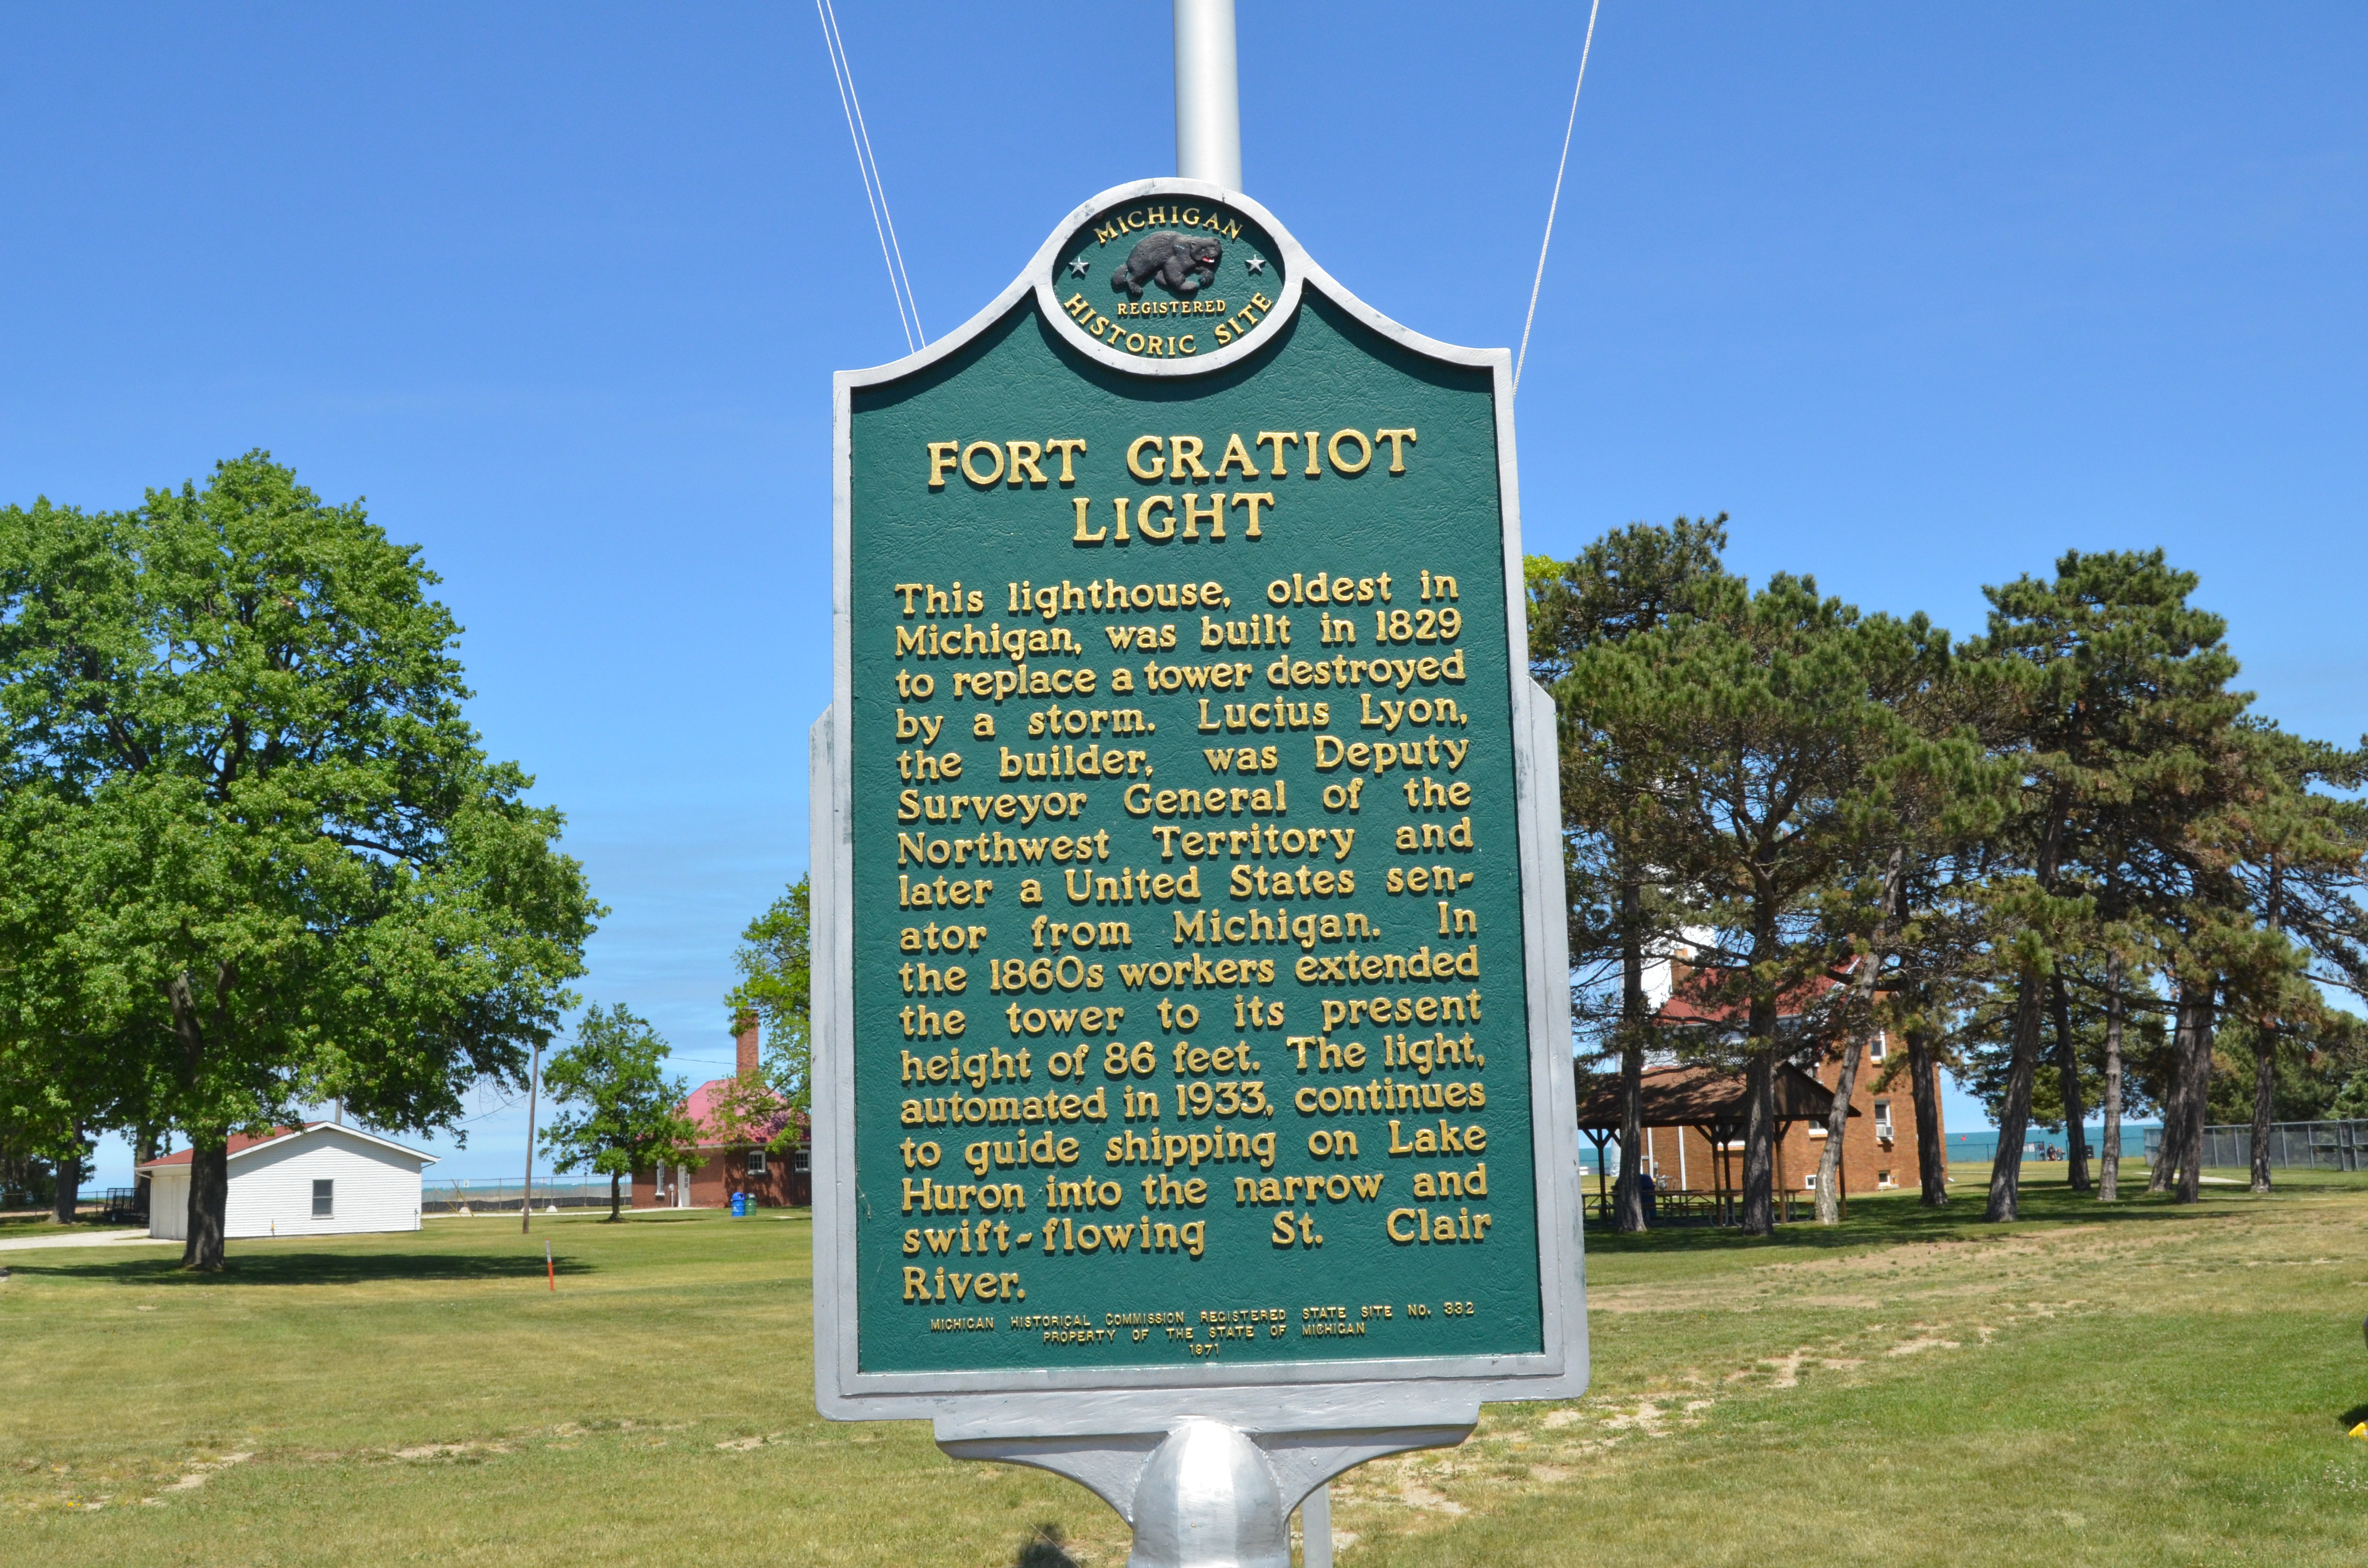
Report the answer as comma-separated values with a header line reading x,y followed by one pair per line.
x,y
2117,700
1626,584
1750,732
2298,851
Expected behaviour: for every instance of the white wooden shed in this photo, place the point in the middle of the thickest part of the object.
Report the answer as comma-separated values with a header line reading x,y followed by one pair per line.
x,y
320,1179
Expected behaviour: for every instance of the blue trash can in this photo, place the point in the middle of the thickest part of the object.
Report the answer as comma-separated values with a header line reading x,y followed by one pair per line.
x,y
739,1206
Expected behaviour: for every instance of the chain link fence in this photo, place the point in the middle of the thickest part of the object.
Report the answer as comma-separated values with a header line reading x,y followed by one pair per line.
x,y
492,1197
2293,1145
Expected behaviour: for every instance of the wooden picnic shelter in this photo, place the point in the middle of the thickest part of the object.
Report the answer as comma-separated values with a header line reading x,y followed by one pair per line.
x,y
1713,1103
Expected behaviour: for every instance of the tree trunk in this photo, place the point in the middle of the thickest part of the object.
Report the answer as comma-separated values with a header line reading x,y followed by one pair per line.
x,y
2265,1088
1759,1143
615,1204
1628,1194
1630,1213
2194,1042
69,1170
1829,1159
2265,1050
209,1148
2172,1153
144,1142
209,1205
2014,1121
2068,1066
2109,1159
1931,1158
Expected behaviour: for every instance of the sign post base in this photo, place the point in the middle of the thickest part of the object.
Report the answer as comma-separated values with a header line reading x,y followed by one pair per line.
x,y
1205,1493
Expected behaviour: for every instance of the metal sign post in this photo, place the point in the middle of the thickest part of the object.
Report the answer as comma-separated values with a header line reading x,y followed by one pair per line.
x,y
1192,1109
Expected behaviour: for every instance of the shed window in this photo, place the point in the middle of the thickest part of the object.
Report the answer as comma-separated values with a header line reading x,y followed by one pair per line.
x,y
324,1205
756,1162
799,1160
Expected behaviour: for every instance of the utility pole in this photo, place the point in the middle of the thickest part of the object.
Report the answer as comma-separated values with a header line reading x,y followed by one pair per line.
x,y
1208,93
533,1081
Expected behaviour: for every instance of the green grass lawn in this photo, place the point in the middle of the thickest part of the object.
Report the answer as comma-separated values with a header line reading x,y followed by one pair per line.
x,y
2143,1384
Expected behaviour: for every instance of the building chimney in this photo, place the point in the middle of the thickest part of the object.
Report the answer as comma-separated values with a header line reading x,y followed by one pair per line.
x,y
747,1040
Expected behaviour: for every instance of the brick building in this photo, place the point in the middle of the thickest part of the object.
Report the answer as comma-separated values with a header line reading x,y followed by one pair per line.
x,y
1879,1142
1878,1147
772,1181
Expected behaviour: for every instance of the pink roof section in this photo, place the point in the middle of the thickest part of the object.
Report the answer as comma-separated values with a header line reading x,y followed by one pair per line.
x,y
700,1108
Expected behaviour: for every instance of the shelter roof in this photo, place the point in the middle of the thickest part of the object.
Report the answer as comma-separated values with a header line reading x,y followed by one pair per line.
x,y
1697,1096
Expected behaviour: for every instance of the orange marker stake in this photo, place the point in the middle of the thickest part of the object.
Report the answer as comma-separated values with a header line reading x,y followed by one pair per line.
x,y
550,1268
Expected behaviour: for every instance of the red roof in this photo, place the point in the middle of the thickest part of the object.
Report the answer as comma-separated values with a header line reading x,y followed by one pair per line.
x,y
240,1143
238,1140
1691,1002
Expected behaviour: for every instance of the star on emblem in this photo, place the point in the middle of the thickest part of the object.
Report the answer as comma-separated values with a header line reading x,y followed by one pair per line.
x,y
1257,264
1077,266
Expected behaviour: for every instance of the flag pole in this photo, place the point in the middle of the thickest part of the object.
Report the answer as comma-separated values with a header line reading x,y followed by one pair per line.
x,y
1208,93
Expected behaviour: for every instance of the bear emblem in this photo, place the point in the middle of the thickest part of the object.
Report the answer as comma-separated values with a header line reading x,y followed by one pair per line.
x,y
1181,264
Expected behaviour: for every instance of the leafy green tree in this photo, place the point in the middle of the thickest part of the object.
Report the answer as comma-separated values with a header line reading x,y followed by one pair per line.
x,y
1628,583
775,964
615,1108
275,866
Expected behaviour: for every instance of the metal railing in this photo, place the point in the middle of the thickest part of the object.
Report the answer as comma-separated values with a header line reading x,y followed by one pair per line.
x,y
2293,1145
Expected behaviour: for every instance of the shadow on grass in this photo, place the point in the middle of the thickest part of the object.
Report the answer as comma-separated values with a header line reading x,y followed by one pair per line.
x,y
314,1268
2352,1417
1893,1220
1044,1548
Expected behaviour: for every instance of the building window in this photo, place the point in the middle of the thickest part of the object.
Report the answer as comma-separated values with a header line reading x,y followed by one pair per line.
x,y
1882,1120
757,1162
1882,1042
798,1159
1809,1182
324,1204
1883,1178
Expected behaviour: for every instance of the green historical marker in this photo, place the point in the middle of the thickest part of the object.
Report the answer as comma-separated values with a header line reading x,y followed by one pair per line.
x,y
1192,1030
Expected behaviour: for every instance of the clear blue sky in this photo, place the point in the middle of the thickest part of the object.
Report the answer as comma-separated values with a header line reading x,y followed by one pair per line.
x,y
1921,295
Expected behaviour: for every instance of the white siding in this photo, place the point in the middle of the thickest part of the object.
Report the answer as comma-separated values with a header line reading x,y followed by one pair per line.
x,y
377,1188
168,1203
272,1189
